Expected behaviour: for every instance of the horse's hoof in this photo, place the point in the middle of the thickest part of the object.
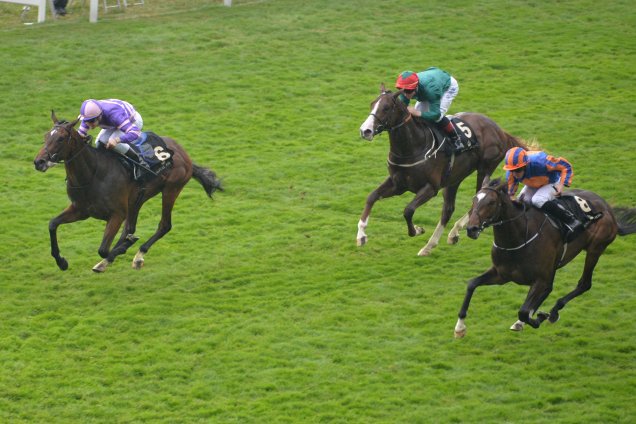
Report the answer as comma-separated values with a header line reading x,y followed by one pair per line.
x,y
453,240
459,334
62,264
138,264
419,231
101,266
517,326
361,241
424,252
554,317
542,316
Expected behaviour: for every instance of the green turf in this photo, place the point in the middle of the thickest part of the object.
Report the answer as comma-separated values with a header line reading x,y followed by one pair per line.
x,y
258,307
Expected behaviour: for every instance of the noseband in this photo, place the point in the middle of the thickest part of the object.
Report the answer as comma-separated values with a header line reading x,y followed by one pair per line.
x,y
54,157
492,222
384,125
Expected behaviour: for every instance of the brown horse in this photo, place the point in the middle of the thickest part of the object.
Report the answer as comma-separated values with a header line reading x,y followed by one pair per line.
x,y
417,164
528,249
99,186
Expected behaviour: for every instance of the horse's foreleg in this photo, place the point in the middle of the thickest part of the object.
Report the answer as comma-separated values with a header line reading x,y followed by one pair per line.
x,y
490,277
386,189
112,226
70,214
584,284
165,225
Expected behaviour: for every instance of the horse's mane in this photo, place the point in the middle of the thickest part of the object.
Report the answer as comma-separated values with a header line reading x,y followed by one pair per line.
x,y
501,185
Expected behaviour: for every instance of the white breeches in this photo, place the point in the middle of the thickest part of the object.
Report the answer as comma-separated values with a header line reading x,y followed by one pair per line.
x,y
445,102
107,133
538,196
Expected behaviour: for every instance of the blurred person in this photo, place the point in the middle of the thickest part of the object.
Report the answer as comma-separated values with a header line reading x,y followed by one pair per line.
x,y
543,177
120,126
434,91
60,7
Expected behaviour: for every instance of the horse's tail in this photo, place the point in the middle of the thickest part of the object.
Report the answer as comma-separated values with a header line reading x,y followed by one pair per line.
x,y
512,141
626,220
207,178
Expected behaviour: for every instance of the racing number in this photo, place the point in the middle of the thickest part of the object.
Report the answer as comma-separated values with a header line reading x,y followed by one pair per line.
x,y
464,128
585,207
161,154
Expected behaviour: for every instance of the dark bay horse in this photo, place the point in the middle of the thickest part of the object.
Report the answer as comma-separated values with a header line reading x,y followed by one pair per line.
x,y
528,249
100,187
417,165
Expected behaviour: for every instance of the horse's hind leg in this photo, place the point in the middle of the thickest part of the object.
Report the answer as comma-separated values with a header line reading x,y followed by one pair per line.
x,y
112,226
453,235
165,225
538,292
450,193
584,284
70,214
386,189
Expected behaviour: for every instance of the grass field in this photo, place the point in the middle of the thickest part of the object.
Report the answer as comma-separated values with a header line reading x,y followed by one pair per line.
x,y
258,307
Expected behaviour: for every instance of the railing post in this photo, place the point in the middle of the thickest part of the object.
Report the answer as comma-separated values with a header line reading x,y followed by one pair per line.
x,y
93,11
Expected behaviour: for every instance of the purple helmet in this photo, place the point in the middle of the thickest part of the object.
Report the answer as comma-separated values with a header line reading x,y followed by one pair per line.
x,y
90,110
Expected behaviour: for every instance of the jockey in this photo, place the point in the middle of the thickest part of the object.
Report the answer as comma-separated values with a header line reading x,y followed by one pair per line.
x,y
434,90
121,126
543,177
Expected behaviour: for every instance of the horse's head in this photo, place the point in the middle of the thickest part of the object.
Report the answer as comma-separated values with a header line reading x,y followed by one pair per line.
x,y
59,144
487,206
387,112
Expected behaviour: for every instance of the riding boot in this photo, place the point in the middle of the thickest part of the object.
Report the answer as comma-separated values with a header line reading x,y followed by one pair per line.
x,y
454,141
138,161
557,210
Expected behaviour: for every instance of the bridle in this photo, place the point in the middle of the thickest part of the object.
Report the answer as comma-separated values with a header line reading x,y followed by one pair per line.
x,y
54,157
492,222
384,125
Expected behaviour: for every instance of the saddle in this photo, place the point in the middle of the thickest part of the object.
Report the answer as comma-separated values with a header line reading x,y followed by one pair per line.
x,y
581,209
153,150
467,138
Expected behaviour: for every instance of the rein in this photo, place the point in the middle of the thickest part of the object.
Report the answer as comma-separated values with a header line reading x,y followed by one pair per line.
x,y
384,126
492,223
52,157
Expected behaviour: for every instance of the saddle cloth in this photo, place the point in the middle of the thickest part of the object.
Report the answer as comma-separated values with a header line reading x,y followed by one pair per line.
x,y
467,138
154,150
579,207
581,210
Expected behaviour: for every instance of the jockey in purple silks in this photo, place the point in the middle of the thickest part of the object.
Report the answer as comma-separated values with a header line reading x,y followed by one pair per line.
x,y
121,125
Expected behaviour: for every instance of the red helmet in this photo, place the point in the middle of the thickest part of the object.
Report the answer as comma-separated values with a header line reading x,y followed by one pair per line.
x,y
515,158
407,80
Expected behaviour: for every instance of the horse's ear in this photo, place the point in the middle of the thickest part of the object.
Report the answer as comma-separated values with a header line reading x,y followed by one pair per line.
x,y
486,182
75,122
382,88
53,117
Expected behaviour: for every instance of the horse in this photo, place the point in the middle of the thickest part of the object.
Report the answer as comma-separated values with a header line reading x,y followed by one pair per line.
x,y
528,249
99,186
417,164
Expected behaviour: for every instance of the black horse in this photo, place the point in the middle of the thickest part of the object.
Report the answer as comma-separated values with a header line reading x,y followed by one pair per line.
x,y
99,186
528,249
419,165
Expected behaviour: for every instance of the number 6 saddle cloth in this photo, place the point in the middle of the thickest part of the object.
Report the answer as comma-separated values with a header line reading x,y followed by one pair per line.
x,y
155,152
